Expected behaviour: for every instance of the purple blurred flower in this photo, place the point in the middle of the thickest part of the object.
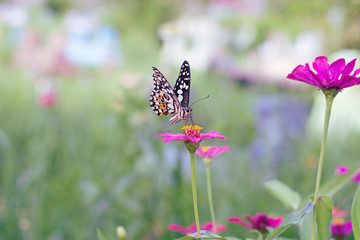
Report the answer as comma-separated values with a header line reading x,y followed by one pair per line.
x,y
335,76
260,221
341,170
192,228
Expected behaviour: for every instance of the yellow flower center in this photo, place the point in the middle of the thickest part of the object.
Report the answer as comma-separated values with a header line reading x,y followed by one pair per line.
x,y
192,130
205,148
338,220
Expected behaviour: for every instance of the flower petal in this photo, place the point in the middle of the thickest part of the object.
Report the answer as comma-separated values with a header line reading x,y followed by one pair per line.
x,y
336,69
356,178
200,152
321,66
349,68
275,222
216,151
211,135
348,228
239,221
177,228
302,74
220,228
173,137
349,81
357,71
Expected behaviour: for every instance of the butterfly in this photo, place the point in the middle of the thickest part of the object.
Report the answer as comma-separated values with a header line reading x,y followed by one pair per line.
x,y
166,100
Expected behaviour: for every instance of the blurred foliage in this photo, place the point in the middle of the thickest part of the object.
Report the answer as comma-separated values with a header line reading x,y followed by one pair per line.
x,y
94,161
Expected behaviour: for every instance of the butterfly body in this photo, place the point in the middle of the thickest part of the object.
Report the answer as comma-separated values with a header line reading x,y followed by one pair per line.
x,y
166,100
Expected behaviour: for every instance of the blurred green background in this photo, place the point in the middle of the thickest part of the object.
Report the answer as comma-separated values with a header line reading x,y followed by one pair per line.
x,y
78,140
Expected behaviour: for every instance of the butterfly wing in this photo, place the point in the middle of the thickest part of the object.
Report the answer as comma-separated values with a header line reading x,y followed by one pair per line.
x,y
163,100
182,85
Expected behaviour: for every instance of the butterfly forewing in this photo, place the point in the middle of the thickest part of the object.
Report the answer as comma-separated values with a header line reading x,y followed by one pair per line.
x,y
162,98
182,85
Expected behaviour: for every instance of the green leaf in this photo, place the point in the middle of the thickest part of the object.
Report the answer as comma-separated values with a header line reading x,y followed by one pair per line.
x,y
293,218
306,226
335,184
355,214
101,236
323,210
290,198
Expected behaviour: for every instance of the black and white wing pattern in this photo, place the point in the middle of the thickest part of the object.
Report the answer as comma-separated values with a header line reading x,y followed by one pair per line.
x,y
182,85
164,100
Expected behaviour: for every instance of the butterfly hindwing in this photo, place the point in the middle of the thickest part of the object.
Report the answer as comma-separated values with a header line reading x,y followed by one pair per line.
x,y
182,85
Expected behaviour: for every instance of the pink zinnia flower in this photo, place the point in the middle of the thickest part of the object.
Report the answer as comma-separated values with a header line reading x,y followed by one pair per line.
x,y
211,152
192,228
341,170
192,134
337,213
356,178
48,99
260,221
340,228
327,77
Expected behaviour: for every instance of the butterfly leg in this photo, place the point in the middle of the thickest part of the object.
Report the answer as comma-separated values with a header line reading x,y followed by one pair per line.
x,y
191,119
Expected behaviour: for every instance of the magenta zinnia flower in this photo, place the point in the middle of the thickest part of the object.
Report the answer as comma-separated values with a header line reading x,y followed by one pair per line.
x,y
260,221
192,134
211,152
340,228
356,178
327,77
341,170
192,228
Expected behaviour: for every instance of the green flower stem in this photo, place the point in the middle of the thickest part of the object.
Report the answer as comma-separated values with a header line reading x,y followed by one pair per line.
x,y
193,183
212,212
329,101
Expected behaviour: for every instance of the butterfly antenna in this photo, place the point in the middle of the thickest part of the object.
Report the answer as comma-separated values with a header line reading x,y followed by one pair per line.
x,y
199,101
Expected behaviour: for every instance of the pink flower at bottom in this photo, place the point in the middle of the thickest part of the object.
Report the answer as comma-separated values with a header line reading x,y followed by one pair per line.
x,y
211,152
192,228
260,221
340,228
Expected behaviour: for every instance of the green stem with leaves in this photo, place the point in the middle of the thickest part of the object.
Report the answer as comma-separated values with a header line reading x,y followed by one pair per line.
x,y
211,205
329,96
193,184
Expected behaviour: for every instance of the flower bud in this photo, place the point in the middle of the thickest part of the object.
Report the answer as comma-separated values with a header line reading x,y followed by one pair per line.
x,y
121,232
207,161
